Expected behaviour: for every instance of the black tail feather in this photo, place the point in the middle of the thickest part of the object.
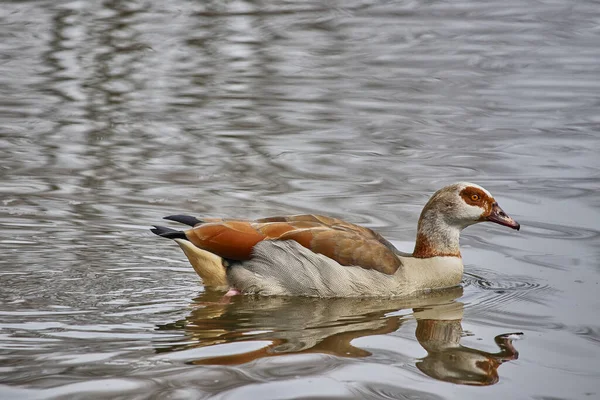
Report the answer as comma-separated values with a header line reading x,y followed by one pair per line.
x,y
168,232
184,219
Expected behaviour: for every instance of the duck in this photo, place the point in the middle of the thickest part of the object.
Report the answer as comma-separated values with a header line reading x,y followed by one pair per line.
x,y
321,256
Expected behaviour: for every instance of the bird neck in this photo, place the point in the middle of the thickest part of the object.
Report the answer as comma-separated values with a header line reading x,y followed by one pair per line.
x,y
435,237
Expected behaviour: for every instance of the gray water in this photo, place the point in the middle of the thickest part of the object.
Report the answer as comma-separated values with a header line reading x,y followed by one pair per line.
x,y
114,114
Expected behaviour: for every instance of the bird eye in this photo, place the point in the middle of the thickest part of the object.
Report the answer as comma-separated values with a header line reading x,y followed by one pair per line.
x,y
475,197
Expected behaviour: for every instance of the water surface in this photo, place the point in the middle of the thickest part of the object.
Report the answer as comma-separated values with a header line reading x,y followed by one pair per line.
x,y
115,114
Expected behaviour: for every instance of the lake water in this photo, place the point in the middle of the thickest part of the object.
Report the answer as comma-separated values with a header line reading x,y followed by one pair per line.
x,y
114,114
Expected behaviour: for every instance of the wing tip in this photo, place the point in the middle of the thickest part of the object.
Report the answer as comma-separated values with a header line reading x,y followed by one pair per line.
x,y
168,233
184,219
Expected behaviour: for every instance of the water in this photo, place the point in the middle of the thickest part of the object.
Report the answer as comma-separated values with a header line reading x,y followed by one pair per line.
x,y
115,114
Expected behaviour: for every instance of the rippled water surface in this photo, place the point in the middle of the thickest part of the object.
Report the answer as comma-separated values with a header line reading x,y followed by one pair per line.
x,y
114,114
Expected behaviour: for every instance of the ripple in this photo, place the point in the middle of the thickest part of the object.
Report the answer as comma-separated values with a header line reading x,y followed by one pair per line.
x,y
550,261
499,285
490,300
303,365
590,333
373,390
104,387
119,114
556,231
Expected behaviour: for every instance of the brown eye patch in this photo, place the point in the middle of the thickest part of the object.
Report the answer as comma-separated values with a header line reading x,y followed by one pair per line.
x,y
476,197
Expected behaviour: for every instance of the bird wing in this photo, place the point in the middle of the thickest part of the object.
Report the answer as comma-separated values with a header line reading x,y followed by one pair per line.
x,y
346,243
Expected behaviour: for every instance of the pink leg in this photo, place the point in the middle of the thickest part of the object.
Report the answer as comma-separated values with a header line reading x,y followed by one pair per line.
x,y
232,292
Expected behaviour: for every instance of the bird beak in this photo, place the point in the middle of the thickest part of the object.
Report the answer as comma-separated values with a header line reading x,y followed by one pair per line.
x,y
498,216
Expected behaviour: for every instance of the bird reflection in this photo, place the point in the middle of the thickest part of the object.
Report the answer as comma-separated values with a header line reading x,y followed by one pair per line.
x,y
439,331
328,326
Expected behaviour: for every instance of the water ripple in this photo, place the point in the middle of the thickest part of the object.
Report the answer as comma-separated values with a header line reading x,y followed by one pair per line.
x,y
115,114
495,283
497,295
383,391
591,333
556,231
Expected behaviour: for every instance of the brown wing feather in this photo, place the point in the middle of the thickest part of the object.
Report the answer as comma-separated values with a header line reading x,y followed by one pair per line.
x,y
274,230
347,248
333,223
346,243
231,239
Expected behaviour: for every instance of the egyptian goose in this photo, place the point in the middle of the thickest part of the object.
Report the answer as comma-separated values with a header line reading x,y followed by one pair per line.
x,y
313,255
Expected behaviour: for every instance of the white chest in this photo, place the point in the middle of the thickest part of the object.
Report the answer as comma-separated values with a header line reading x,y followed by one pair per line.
x,y
432,273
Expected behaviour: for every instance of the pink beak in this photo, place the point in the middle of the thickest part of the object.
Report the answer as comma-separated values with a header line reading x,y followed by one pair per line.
x,y
498,216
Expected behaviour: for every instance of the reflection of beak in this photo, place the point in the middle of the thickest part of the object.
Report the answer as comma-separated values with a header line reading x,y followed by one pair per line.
x,y
499,216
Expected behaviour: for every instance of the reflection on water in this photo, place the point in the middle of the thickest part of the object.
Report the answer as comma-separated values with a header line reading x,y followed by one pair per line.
x,y
116,113
448,360
285,326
